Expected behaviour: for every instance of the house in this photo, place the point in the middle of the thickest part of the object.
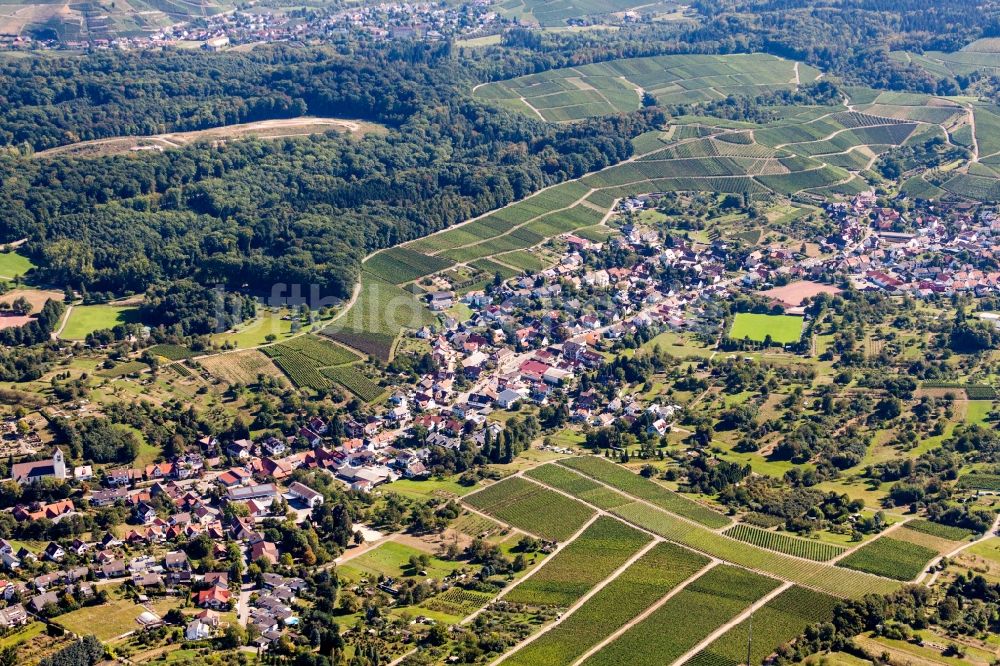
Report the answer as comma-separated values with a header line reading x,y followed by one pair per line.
x,y
52,511
37,603
508,397
145,514
114,569
54,552
240,449
197,630
264,549
215,598
176,561
236,476
83,473
303,492
13,616
29,472
8,556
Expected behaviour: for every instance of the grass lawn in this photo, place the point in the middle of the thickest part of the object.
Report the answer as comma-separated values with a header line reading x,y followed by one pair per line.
x,y
26,633
86,319
422,490
112,619
391,559
977,411
783,329
13,264
253,333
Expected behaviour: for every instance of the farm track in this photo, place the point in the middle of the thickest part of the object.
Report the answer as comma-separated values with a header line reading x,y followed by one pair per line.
x,y
933,563
582,600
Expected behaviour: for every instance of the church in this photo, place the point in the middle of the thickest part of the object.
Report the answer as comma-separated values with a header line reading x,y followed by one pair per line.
x,y
29,472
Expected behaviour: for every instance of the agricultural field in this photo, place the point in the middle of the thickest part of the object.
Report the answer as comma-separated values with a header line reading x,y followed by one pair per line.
x,y
783,329
400,265
392,560
783,543
775,623
686,618
577,485
620,478
242,367
587,560
578,92
303,357
817,575
643,583
560,12
532,508
890,557
375,319
352,378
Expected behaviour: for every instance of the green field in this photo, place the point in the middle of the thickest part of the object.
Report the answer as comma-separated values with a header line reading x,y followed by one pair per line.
x,y
620,478
653,575
13,265
783,543
391,560
817,575
376,318
775,623
892,558
256,332
85,319
352,379
783,329
590,558
532,508
686,618
578,92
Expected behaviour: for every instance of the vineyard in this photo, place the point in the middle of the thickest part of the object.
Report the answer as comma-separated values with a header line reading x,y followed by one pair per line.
x,y
651,576
892,558
980,481
532,508
587,560
775,623
637,486
352,378
457,602
782,543
817,575
399,265
586,489
686,618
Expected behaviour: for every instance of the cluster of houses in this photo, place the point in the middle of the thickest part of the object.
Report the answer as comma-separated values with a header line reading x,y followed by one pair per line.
x,y
430,21
940,248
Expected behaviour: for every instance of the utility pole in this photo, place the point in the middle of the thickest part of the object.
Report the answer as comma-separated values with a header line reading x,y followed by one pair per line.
x,y
750,640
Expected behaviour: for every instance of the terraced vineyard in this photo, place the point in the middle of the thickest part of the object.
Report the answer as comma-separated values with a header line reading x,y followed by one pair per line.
x,y
577,92
532,508
590,558
636,589
782,543
686,618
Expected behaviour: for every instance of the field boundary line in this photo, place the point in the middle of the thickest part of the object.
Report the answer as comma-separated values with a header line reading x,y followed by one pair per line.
x,y
500,595
747,612
582,600
615,635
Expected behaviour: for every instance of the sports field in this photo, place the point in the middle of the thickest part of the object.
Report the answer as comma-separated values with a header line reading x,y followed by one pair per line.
x,y
783,329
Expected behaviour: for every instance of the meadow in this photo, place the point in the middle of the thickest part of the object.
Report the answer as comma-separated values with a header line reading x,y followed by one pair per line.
x,y
587,560
643,583
85,319
14,265
532,508
783,329
688,617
